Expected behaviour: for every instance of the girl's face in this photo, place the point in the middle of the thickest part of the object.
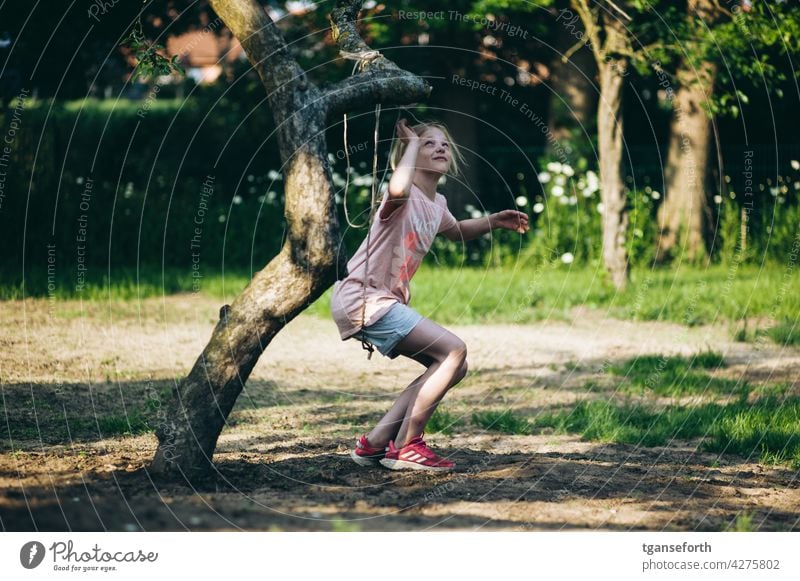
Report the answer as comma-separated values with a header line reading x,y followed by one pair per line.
x,y
434,151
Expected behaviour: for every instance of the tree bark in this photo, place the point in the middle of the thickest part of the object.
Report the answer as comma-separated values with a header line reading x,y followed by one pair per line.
x,y
309,260
612,191
681,217
612,50
612,71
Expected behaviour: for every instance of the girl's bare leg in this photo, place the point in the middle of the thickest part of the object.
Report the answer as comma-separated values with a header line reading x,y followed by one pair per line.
x,y
388,426
447,355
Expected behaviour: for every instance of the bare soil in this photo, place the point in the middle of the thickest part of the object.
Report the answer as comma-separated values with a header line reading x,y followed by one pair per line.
x,y
67,367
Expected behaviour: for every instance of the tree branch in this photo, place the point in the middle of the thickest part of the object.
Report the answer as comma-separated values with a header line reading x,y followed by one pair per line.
x,y
379,79
590,26
263,42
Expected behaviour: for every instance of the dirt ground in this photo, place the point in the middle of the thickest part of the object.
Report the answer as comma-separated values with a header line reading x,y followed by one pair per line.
x,y
282,462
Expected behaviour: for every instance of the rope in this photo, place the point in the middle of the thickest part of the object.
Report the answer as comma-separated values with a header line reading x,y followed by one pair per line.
x,y
363,58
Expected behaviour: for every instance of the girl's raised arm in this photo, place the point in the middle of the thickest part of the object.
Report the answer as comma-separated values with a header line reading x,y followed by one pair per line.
x,y
403,176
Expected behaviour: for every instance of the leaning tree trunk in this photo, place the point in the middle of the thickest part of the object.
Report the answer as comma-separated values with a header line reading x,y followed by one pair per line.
x,y
612,191
309,260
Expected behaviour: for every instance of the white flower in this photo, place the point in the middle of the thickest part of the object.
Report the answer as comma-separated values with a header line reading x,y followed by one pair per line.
x,y
773,191
567,258
79,180
250,177
795,164
222,217
521,200
237,199
563,200
469,208
655,195
557,191
273,175
797,185
554,167
262,198
271,196
567,170
538,207
592,181
365,180
544,177
600,207
587,193
560,180
476,213
573,200
717,199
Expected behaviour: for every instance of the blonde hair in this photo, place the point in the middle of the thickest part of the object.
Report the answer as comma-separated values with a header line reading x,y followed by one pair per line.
x,y
456,159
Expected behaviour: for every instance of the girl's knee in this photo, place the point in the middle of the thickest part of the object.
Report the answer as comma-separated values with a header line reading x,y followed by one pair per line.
x,y
458,358
462,372
458,352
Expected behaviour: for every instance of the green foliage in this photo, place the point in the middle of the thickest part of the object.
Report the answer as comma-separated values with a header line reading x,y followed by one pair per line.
x,y
150,62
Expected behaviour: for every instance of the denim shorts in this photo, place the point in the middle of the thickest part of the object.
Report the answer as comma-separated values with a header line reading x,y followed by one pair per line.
x,y
390,329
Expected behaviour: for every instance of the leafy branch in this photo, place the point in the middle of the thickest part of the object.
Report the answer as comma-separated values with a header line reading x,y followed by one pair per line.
x,y
150,62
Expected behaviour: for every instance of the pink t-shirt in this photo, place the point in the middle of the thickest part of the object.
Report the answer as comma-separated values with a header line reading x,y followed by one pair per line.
x,y
397,246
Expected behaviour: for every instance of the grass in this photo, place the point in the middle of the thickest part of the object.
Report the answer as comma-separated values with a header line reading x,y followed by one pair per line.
x,y
442,422
505,421
121,284
785,332
742,524
686,295
52,427
767,430
676,375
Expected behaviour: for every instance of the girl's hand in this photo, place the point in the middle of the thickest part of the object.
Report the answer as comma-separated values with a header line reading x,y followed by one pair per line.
x,y
511,220
405,133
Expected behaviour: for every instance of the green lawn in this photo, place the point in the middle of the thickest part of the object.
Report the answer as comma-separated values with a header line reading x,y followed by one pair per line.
x,y
745,297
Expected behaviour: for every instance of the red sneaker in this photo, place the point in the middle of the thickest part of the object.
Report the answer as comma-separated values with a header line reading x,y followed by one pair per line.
x,y
366,455
415,456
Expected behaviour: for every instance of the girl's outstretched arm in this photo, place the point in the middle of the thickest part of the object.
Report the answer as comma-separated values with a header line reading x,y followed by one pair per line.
x,y
475,227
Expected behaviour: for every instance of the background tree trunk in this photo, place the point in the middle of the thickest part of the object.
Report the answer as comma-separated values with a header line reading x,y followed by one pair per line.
x,y
681,217
612,59
612,191
309,260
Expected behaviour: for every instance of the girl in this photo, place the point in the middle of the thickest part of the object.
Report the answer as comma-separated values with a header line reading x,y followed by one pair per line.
x,y
373,305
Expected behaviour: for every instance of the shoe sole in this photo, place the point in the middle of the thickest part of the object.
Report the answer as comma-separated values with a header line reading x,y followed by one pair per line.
x,y
405,465
361,461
